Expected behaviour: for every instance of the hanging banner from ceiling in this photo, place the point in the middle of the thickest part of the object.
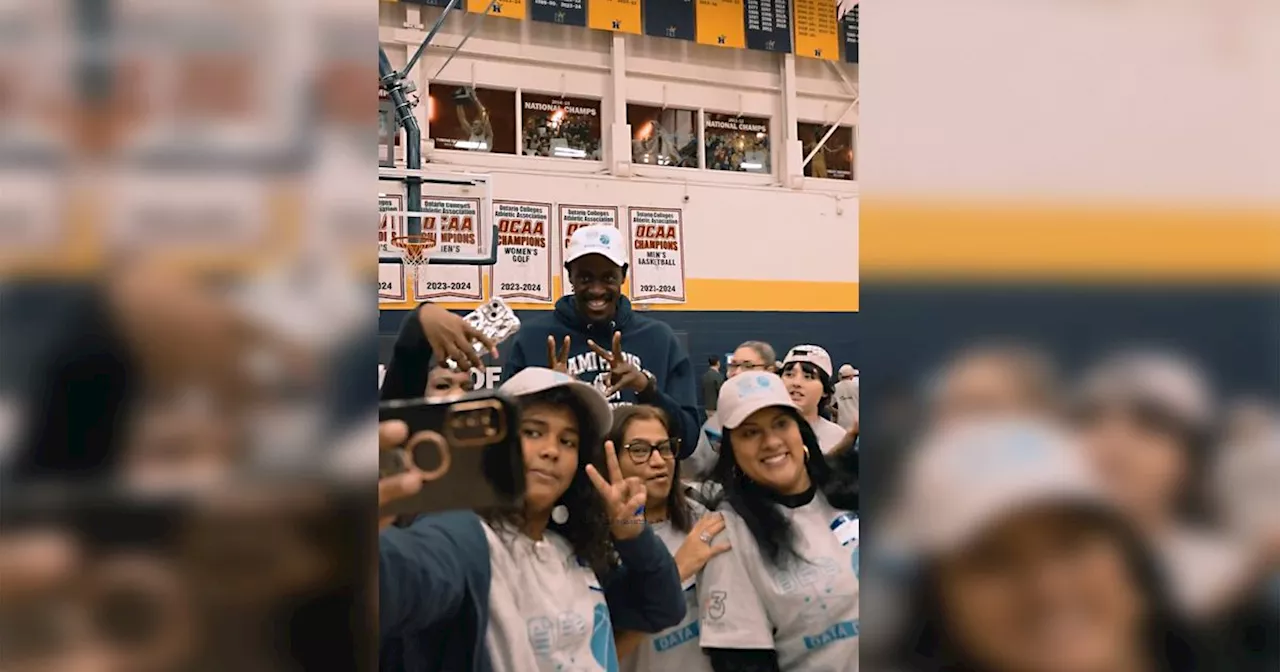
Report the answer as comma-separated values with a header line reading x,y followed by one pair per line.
x,y
768,25
565,12
817,29
673,19
720,23
619,16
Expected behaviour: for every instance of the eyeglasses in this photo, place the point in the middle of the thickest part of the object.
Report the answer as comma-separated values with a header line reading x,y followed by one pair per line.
x,y
640,450
746,366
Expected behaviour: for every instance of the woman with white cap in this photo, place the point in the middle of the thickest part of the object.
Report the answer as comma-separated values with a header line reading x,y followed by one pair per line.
x,y
1024,565
1147,420
540,583
807,372
786,597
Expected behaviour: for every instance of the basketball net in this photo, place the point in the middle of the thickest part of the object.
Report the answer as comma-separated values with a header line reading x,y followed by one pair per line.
x,y
415,248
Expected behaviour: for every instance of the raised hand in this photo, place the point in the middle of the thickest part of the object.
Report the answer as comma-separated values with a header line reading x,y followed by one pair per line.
x,y
623,375
623,497
557,361
451,336
391,435
697,549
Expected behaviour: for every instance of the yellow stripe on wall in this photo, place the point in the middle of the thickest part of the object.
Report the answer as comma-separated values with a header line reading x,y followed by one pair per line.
x,y
919,239
726,295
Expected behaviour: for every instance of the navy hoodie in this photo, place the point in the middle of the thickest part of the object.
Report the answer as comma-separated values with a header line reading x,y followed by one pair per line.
x,y
647,343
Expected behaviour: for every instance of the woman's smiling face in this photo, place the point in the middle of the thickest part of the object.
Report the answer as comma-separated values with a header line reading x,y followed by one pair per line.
x,y
769,450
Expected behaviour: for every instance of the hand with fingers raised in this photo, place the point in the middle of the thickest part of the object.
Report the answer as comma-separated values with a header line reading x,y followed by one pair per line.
x,y
697,549
623,497
557,361
623,375
451,337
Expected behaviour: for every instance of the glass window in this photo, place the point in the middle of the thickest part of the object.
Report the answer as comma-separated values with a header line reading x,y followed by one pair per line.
x,y
835,160
472,119
566,128
737,143
663,136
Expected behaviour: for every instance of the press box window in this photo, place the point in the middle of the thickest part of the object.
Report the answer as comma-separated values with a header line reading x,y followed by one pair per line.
x,y
472,119
560,127
834,161
737,143
663,136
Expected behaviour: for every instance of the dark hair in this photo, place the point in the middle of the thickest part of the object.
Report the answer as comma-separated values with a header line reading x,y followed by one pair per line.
x,y
924,645
828,387
587,529
754,503
677,505
713,361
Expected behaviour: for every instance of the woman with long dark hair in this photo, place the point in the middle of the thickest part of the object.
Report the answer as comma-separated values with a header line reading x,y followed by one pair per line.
x,y
540,582
807,372
646,450
786,598
1022,564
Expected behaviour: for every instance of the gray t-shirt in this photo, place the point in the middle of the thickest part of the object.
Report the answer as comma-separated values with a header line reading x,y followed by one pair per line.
x,y
829,434
807,611
846,396
674,649
547,613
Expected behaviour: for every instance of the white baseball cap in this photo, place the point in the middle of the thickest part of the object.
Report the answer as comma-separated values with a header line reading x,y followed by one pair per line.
x,y
847,370
812,354
1165,380
969,477
599,239
539,379
749,392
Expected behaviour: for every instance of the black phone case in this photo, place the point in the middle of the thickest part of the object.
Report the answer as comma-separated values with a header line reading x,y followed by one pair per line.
x,y
479,475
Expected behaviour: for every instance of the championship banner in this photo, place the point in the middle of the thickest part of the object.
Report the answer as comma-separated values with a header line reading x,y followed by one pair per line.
x,y
657,255
817,30
507,9
620,16
565,12
850,24
391,283
453,224
721,23
669,18
768,24
429,3
523,270
571,218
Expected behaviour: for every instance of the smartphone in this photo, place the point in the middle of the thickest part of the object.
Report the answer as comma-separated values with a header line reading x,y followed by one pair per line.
x,y
466,450
493,318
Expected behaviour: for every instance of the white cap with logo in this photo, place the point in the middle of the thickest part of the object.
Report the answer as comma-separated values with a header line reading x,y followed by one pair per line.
x,y
811,354
847,371
967,478
599,239
539,379
749,392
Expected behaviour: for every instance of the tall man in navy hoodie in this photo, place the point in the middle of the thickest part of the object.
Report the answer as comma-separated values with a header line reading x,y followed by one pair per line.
x,y
594,336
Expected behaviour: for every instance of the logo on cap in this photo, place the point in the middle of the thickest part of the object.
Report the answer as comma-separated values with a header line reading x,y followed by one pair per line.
x,y
560,377
604,239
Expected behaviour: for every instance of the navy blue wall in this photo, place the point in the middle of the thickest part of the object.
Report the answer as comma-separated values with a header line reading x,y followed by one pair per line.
x,y
716,333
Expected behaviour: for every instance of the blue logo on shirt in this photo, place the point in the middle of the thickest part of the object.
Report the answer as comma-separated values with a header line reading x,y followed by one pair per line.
x,y
841,630
671,640
603,648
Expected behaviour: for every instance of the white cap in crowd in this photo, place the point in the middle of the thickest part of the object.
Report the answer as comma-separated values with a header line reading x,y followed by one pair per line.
x,y
969,477
747,393
599,239
847,371
539,379
1164,380
812,354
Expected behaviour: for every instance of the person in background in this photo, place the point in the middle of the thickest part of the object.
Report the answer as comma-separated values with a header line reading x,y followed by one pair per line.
x,y
1146,420
711,382
641,435
1023,564
539,583
994,378
446,384
428,337
785,599
807,372
845,397
595,336
750,356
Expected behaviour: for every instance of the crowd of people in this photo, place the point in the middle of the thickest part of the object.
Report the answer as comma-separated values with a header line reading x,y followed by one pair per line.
x,y
649,536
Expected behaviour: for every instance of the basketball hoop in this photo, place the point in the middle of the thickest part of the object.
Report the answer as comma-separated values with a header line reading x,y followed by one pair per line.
x,y
415,248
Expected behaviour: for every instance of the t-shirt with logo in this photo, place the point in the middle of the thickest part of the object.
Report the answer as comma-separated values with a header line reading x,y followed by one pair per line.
x,y
677,648
806,610
547,612
846,396
829,433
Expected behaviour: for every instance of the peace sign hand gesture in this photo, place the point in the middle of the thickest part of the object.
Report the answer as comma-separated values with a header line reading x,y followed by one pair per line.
x,y
622,374
623,497
558,361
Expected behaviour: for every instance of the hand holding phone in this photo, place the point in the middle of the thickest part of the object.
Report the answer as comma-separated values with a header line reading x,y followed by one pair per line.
x,y
464,453
495,322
